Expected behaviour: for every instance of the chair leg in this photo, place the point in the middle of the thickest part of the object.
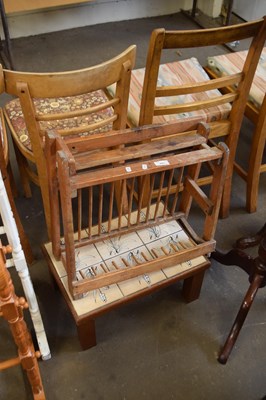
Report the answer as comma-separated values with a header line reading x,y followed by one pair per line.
x,y
46,201
87,333
225,203
22,166
255,160
12,180
192,286
240,318
231,142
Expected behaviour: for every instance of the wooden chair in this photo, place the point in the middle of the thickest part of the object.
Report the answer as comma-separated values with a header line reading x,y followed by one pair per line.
x,y
104,256
182,90
9,234
226,64
11,308
72,102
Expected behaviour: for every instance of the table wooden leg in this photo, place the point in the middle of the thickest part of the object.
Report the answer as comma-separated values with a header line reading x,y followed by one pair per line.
x,y
87,333
192,287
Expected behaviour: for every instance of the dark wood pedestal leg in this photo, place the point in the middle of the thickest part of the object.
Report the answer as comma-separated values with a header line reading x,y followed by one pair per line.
x,y
251,241
86,333
256,269
192,287
240,318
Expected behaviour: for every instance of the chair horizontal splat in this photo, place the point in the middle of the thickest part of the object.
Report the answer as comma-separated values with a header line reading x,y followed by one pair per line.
x,y
212,36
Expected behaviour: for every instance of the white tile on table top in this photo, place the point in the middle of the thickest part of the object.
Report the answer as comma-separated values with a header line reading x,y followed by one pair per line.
x,y
118,245
163,246
89,271
127,259
86,256
152,233
141,282
184,239
179,268
94,299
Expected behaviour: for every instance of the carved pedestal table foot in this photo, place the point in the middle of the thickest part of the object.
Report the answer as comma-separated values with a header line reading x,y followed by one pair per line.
x,y
256,269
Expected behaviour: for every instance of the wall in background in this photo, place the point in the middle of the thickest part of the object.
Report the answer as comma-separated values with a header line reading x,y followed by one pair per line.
x,y
250,10
212,8
91,13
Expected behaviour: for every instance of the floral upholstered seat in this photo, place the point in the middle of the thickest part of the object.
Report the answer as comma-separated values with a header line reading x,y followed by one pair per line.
x,y
59,105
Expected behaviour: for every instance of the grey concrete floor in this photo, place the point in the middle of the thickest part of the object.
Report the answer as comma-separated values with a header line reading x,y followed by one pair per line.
x,y
157,347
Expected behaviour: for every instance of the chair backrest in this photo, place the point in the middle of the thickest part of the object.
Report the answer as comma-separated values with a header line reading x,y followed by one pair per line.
x,y
79,116
162,39
73,103
86,181
182,90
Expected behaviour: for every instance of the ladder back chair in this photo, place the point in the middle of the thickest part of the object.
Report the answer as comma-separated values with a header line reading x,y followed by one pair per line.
x,y
226,64
9,235
105,256
73,102
11,309
183,90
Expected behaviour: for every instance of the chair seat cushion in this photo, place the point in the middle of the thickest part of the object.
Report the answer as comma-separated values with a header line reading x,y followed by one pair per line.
x,y
176,74
58,105
231,63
